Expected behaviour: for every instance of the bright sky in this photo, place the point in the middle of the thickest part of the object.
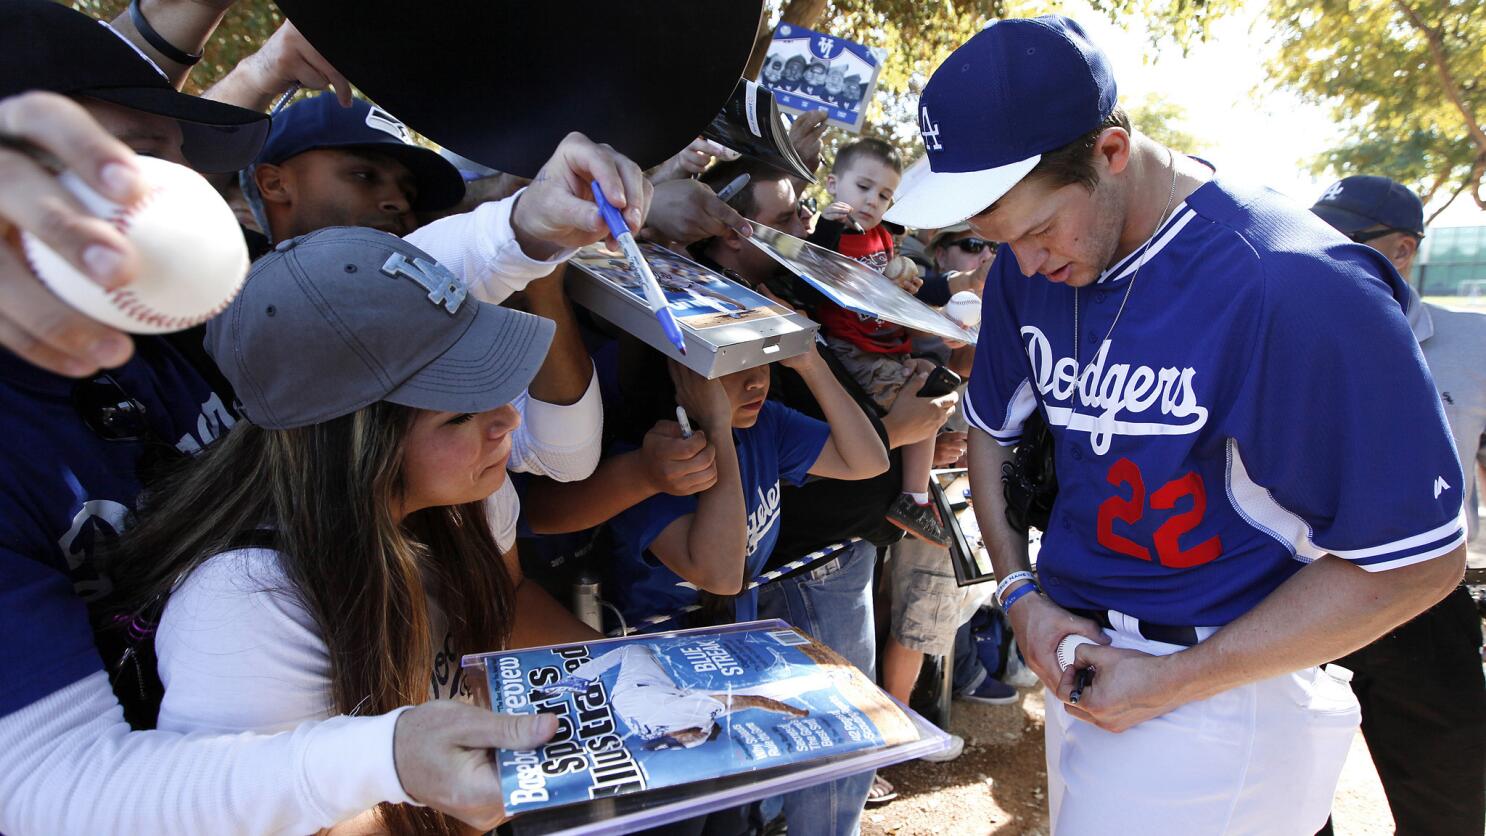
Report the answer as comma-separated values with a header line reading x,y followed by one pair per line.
x,y
1253,132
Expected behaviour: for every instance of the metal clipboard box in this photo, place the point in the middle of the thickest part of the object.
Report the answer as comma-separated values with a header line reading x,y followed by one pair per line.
x,y
727,327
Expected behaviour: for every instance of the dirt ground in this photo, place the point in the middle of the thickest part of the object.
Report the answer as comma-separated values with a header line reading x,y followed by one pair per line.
x,y
998,786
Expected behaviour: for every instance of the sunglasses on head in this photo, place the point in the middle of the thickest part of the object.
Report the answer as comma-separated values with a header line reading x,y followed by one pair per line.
x,y
974,246
109,411
1366,235
113,415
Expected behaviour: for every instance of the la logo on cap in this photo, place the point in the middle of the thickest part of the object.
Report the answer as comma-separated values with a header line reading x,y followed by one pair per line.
x,y
929,131
388,124
1334,192
444,288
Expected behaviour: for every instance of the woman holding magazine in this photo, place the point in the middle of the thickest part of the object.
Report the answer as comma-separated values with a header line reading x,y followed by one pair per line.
x,y
332,554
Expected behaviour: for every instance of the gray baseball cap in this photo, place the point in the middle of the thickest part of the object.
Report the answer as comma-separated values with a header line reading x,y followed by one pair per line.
x,y
344,317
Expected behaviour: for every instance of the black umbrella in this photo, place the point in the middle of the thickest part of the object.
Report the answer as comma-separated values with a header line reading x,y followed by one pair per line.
x,y
502,82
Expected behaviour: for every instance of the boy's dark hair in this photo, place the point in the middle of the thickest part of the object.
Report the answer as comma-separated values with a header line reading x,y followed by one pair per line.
x,y
1074,162
868,148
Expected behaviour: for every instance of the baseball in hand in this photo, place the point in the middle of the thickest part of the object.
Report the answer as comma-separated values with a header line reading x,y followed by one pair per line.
x,y
191,253
964,308
1067,646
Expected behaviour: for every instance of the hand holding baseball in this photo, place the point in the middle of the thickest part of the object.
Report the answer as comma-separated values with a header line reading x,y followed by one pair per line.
x,y
1040,626
34,322
903,273
963,308
1130,688
192,257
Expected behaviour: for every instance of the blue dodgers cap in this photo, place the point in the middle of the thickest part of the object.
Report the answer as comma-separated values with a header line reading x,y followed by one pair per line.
x,y
1353,204
1016,90
320,122
334,321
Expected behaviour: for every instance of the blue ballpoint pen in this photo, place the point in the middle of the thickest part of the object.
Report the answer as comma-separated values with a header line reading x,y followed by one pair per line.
x,y
653,294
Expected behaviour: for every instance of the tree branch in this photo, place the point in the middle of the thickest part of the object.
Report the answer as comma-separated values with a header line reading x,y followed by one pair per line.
x,y
1436,185
1447,79
1478,168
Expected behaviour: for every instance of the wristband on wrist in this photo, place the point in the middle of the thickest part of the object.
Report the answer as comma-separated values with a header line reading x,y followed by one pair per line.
x,y
1018,594
1010,579
156,40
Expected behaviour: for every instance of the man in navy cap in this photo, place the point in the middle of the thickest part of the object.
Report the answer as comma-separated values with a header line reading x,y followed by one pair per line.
x,y
327,165
1223,524
1421,689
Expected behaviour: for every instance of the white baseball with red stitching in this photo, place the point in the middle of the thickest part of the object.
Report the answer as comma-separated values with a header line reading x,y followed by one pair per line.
x,y
1067,646
192,255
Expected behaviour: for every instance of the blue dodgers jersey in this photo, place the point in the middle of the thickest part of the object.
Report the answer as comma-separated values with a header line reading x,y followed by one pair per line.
x,y
67,492
1261,402
781,446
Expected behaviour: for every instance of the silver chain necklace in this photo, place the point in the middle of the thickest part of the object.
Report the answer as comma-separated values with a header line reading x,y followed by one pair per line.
x,y
1078,369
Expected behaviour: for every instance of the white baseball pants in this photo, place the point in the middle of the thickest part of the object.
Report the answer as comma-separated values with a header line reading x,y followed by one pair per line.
x,y
1263,758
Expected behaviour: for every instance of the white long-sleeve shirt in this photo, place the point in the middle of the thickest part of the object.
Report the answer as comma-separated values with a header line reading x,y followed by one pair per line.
x,y
560,442
72,765
480,246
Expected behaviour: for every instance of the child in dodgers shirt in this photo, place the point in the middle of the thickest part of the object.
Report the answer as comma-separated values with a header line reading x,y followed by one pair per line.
x,y
876,352
668,549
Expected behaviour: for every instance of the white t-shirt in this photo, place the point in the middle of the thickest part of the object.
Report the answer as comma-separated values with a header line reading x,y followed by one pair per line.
x,y
239,652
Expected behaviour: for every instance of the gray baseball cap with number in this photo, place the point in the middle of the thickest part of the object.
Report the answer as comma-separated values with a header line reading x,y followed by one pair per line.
x,y
344,317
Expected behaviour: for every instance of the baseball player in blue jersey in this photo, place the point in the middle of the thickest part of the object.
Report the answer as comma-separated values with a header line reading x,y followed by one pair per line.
x,y
664,714
1223,524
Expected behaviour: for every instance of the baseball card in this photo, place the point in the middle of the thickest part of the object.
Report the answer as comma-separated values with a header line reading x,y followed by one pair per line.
x,y
647,712
855,286
810,70
727,327
699,298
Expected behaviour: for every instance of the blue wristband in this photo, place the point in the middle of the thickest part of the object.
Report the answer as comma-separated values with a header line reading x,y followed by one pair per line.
x,y
1017,595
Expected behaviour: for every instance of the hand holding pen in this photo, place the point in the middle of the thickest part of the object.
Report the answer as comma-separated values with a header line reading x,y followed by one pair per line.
x,y
557,210
654,296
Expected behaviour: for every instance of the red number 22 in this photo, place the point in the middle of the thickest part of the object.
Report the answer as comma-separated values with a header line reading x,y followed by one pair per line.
x,y
1167,538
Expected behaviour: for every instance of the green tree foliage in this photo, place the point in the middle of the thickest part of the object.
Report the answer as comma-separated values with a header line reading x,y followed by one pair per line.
x,y
1405,79
244,28
1165,121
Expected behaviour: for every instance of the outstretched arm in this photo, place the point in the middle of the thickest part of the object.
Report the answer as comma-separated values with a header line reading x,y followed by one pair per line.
x,y
665,463
184,24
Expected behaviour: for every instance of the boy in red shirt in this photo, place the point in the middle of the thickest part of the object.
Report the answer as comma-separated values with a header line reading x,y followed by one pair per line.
x,y
876,353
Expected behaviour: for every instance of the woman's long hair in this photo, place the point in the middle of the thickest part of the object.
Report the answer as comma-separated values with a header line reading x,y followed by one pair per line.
x,y
323,497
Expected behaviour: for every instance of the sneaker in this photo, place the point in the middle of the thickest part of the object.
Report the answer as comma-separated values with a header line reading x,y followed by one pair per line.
x,y
922,521
1017,674
956,746
991,691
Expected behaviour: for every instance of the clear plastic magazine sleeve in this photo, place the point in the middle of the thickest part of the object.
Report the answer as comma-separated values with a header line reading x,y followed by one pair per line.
x,y
687,705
